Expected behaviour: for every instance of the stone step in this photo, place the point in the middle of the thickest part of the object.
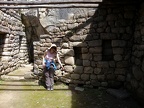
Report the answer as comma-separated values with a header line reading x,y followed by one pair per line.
x,y
12,78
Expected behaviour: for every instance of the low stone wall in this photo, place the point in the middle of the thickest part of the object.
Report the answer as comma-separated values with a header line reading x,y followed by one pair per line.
x,y
13,48
83,41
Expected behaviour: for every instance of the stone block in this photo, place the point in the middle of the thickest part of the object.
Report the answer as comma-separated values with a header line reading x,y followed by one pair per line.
x,y
69,52
93,77
118,43
122,64
68,68
117,57
87,56
91,13
134,83
95,43
102,64
120,71
97,57
97,70
95,50
86,63
78,69
78,44
101,77
95,83
138,74
112,63
121,78
104,84
69,60
88,70
110,77
65,45
85,77
118,50
75,76
84,50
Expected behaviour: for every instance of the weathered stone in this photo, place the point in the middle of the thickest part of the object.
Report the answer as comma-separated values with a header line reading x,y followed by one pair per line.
x,y
102,64
65,45
110,77
104,84
101,77
86,63
75,76
69,52
118,43
97,70
97,57
129,15
68,68
78,69
85,77
117,57
121,78
84,50
118,50
95,50
137,72
93,77
88,70
95,83
112,64
78,44
77,82
142,65
111,17
120,71
69,60
87,56
95,43
91,13
134,84
122,64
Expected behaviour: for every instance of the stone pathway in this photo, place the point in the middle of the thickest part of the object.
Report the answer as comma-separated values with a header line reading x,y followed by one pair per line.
x,y
16,92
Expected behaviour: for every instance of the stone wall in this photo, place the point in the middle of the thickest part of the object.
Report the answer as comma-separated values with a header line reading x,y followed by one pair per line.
x,y
13,48
95,47
135,78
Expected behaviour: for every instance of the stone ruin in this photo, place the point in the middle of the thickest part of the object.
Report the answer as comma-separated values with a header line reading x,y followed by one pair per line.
x,y
102,47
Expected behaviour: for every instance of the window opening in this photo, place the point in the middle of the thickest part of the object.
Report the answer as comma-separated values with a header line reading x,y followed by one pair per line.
x,y
78,56
107,53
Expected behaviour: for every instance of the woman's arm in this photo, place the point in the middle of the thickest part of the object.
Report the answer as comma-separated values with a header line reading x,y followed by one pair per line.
x,y
58,58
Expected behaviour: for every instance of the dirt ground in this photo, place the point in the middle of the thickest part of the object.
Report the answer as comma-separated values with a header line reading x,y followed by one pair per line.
x,y
29,94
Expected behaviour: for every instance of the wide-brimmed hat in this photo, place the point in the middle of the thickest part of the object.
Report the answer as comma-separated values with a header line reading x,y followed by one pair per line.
x,y
53,46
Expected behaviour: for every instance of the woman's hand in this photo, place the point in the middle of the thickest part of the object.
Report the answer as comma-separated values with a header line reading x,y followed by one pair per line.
x,y
62,68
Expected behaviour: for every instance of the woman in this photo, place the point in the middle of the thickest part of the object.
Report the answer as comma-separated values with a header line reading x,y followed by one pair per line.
x,y
49,65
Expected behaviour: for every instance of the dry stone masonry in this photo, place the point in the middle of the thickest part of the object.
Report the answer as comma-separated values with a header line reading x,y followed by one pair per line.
x,y
101,47
95,47
13,48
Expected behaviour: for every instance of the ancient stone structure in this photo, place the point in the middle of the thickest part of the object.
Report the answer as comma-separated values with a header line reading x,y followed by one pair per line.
x,y
101,47
13,47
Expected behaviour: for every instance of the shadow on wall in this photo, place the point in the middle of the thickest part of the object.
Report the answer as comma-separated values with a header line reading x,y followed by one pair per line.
x,y
2,43
111,27
33,30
